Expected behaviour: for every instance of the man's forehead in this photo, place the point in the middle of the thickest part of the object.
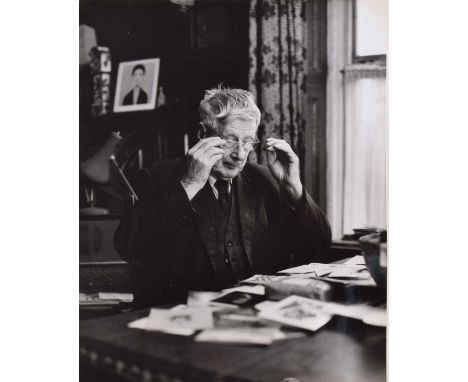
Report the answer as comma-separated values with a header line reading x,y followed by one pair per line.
x,y
240,126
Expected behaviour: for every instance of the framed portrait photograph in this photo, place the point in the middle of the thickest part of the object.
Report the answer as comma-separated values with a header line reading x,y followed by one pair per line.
x,y
137,83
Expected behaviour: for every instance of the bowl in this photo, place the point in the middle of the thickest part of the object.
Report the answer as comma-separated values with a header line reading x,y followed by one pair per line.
x,y
374,248
359,232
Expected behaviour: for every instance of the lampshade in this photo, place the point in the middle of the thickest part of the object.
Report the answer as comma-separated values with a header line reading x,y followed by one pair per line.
x,y
87,41
97,168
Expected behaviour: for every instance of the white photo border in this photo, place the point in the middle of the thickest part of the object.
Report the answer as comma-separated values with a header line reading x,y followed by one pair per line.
x,y
118,108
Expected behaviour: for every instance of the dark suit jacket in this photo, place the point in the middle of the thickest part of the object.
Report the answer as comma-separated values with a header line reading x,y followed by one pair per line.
x,y
142,98
170,242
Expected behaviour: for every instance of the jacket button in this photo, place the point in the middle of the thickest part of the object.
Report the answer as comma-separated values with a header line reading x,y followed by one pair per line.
x,y
226,260
229,243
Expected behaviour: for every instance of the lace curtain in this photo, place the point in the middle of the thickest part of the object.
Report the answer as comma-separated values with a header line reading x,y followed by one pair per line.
x,y
365,148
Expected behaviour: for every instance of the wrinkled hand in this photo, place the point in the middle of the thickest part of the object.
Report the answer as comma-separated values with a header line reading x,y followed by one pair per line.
x,y
284,165
200,159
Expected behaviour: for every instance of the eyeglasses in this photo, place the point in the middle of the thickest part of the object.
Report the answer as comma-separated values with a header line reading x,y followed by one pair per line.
x,y
231,144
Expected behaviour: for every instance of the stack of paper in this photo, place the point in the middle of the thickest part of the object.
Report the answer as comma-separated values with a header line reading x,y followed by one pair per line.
x,y
255,336
244,314
331,270
352,272
123,297
104,299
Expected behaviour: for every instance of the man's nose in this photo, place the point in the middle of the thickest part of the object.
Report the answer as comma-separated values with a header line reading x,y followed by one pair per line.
x,y
239,152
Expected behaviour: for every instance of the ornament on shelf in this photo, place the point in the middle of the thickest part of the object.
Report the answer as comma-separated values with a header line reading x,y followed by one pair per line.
x,y
101,67
87,42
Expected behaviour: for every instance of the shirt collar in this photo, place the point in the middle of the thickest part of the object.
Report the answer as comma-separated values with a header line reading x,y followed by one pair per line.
x,y
213,180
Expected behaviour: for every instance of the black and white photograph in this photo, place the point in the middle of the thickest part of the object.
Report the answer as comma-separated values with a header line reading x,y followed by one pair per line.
x,y
234,190
298,312
137,82
238,300
255,152
251,170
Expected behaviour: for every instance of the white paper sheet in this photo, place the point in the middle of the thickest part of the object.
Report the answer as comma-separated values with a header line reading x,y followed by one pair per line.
x,y
255,289
356,260
257,336
124,297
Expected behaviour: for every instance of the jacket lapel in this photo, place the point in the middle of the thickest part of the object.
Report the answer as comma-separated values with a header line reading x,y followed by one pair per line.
x,y
247,202
205,220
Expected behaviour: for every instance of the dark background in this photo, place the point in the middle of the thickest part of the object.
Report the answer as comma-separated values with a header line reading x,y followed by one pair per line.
x,y
200,48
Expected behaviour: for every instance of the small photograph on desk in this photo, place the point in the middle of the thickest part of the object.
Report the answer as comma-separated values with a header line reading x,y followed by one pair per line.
x,y
301,313
263,279
186,318
238,300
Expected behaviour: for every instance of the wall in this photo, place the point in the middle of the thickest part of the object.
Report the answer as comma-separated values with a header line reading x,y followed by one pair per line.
x,y
199,48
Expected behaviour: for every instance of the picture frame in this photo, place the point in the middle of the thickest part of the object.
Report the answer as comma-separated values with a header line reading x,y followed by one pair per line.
x,y
137,84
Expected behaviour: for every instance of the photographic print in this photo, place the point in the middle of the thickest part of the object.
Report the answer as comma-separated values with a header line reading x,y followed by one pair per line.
x,y
238,299
185,318
266,164
299,312
137,83
263,279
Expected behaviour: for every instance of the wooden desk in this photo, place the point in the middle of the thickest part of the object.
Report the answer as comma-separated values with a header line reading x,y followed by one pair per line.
x,y
343,249
343,350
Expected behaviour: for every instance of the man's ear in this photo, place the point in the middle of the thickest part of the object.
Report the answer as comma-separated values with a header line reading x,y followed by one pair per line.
x,y
202,131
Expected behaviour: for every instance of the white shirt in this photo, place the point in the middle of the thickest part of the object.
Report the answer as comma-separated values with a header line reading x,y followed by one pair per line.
x,y
213,180
136,93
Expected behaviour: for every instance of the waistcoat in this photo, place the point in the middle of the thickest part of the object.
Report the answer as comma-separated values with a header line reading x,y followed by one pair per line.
x,y
230,264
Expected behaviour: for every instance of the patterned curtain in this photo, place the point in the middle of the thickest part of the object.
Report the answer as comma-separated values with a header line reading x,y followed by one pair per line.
x,y
278,40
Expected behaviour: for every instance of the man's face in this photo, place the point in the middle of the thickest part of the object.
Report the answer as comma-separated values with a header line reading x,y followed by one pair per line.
x,y
138,78
233,160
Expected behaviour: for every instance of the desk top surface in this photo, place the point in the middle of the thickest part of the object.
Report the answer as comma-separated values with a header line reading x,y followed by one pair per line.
x,y
343,350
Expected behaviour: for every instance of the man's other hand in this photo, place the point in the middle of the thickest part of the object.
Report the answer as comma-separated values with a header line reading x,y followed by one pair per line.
x,y
200,159
284,165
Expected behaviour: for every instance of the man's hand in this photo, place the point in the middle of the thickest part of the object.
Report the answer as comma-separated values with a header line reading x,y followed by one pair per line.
x,y
284,165
200,159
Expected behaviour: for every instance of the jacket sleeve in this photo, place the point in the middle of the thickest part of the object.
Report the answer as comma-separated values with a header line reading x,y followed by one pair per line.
x,y
308,229
159,213
143,234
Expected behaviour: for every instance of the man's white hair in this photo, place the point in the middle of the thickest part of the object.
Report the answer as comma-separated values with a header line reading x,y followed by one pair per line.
x,y
221,105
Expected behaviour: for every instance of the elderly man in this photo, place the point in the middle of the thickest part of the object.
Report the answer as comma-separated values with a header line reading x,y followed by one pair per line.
x,y
211,219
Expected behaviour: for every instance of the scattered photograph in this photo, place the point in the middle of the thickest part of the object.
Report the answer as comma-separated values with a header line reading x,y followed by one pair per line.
x,y
238,299
186,318
299,312
263,279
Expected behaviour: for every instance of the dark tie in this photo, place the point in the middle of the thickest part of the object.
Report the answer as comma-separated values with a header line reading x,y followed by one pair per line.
x,y
223,194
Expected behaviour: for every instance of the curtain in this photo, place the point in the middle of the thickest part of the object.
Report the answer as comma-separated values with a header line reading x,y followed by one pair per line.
x,y
365,148
277,77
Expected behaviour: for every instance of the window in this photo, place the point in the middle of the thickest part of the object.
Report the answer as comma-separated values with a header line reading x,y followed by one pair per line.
x,y
370,30
357,128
